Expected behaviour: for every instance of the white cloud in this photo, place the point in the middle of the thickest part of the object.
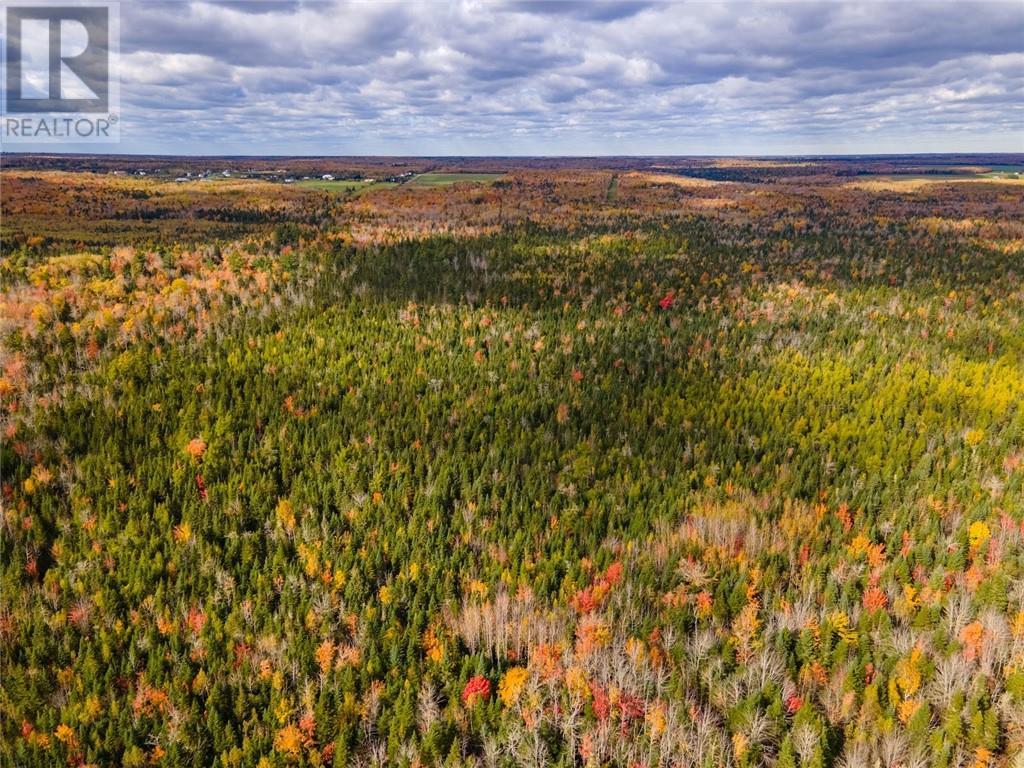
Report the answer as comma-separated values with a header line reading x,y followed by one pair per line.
x,y
566,77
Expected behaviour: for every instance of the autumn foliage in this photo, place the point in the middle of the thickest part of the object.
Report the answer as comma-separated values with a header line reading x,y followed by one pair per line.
x,y
699,473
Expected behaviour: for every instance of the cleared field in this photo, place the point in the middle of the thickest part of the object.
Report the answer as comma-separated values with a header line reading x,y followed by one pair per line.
x,y
444,179
913,183
679,181
342,185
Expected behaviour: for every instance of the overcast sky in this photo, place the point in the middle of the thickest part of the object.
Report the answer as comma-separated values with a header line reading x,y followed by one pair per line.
x,y
487,78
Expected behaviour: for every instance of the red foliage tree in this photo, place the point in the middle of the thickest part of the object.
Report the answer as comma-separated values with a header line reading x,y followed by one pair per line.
x,y
477,689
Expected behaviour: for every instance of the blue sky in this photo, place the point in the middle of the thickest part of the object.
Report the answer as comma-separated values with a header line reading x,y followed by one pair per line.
x,y
484,78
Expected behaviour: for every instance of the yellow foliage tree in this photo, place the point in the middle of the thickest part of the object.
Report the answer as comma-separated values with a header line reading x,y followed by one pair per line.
x,y
978,534
288,741
512,684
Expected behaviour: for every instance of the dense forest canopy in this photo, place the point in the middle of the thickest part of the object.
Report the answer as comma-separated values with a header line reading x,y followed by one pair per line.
x,y
692,465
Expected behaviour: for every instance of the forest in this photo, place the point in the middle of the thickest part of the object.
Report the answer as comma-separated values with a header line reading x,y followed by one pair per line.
x,y
655,464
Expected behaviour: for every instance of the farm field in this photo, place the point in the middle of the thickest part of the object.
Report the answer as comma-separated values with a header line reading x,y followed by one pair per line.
x,y
342,185
623,462
443,179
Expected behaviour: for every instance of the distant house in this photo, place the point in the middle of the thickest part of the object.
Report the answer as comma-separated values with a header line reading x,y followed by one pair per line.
x,y
327,177
226,174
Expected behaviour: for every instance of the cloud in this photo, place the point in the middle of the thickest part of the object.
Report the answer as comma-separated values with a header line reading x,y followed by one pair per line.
x,y
571,78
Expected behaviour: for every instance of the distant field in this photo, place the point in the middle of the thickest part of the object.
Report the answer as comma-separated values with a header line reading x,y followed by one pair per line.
x,y
423,180
961,173
921,176
443,179
342,185
915,182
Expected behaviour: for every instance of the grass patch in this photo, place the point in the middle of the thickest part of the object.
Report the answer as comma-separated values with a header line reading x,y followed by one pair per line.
x,y
915,183
337,185
444,179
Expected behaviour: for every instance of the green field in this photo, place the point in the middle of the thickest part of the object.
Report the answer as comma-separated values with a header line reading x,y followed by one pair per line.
x,y
444,179
993,172
342,185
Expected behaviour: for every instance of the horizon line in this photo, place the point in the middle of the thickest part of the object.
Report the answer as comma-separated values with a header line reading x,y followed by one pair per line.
x,y
817,155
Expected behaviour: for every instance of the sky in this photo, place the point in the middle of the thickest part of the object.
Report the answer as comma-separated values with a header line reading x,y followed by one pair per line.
x,y
566,78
